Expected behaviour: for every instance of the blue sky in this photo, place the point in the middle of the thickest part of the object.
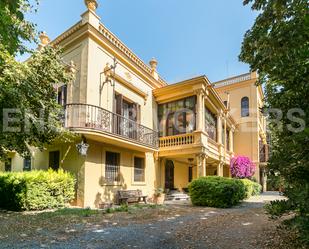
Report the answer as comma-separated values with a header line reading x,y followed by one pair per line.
x,y
187,37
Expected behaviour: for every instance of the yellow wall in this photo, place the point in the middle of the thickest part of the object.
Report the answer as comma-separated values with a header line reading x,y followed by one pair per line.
x,y
98,191
246,137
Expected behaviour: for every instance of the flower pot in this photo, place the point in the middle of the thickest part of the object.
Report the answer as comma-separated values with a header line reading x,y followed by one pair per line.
x,y
159,200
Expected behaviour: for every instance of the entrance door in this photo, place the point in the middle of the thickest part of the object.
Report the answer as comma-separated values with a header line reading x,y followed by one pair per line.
x,y
54,160
169,175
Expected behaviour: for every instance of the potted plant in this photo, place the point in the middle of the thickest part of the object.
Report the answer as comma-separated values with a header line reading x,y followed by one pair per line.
x,y
159,196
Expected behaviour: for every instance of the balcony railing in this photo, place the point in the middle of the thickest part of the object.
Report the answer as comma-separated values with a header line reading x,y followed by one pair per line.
x,y
84,116
177,140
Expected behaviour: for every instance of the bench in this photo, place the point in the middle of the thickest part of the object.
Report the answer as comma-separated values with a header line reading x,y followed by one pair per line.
x,y
131,196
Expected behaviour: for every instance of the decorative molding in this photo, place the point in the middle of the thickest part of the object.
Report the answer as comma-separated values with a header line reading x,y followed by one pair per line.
x,y
131,86
233,80
123,48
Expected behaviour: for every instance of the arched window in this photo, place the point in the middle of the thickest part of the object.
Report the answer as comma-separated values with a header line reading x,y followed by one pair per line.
x,y
245,107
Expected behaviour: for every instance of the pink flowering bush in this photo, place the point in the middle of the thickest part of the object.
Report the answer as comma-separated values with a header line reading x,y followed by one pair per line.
x,y
242,167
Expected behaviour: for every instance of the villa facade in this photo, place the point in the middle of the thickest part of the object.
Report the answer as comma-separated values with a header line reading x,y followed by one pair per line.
x,y
142,132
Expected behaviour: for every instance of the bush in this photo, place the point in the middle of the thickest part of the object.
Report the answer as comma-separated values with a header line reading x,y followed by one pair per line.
x,y
36,190
213,191
252,188
242,167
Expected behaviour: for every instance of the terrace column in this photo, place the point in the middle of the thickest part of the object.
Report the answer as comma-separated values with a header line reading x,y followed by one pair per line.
x,y
200,112
201,165
220,169
231,137
219,128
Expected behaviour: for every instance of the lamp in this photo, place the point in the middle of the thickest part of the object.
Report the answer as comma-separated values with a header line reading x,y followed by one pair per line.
x,y
82,147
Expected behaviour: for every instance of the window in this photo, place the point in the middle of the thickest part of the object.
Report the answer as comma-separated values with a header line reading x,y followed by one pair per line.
x,y
54,160
225,103
112,167
210,124
27,163
62,95
127,108
245,107
129,113
139,169
8,165
177,117
190,173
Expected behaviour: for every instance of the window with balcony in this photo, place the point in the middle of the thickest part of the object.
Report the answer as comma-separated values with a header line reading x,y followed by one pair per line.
x,y
112,167
211,124
128,116
139,169
245,107
177,117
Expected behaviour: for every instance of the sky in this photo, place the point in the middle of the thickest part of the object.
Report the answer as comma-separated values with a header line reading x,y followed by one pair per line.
x,y
188,37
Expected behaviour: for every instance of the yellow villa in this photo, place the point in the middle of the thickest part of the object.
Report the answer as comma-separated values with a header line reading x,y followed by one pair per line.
x,y
139,132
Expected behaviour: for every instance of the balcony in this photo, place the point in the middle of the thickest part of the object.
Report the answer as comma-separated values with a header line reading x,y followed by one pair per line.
x,y
86,117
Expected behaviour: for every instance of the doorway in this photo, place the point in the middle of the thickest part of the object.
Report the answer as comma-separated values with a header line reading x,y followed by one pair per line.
x,y
169,175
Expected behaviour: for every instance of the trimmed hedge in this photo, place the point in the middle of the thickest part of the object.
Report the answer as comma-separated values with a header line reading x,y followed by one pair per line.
x,y
36,190
214,191
252,188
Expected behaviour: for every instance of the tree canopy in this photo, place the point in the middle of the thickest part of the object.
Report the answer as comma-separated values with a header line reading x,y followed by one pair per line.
x,y
14,28
30,114
277,46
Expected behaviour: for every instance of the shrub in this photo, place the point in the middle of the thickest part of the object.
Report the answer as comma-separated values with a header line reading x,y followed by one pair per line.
x,y
251,187
36,190
213,191
242,167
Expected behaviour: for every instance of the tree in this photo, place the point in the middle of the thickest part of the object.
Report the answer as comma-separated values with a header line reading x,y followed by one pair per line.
x,y
277,46
30,115
14,29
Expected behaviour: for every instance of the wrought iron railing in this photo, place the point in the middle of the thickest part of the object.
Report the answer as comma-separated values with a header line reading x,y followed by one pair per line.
x,y
96,118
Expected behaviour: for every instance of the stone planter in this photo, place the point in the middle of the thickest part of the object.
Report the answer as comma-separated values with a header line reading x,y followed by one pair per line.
x,y
159,200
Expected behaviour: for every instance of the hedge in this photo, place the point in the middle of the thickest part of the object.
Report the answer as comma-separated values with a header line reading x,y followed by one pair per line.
x,y
36,190
214,191
252,188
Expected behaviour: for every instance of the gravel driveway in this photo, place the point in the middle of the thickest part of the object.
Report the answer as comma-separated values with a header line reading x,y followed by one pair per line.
x,y
172,226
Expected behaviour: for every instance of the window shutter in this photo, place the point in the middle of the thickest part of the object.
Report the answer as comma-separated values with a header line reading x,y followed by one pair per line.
x,y
119,100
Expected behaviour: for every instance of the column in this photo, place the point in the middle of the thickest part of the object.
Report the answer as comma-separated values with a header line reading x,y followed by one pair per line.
x,y
225,134
200,110
220,169
219,128
201,165
231,137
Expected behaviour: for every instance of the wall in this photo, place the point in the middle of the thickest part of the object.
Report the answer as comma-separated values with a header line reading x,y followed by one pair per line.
x,y
246,136
17,162
97,191
97,60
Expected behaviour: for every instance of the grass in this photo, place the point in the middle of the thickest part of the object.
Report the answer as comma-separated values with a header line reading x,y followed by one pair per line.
x,y
78,212
87,212
130,208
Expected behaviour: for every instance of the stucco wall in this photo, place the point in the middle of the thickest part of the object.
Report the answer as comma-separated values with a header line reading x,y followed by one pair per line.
x,y
97,191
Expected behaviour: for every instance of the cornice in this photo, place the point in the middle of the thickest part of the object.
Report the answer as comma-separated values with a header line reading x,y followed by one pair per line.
x,y
117,47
